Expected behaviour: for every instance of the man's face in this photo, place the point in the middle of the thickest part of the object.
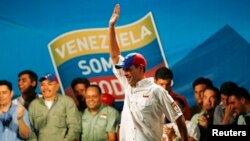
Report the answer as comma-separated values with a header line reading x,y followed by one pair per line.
x,y
224,99
236,104
209,99
25,83
80,90
198,93
164,83
93,98
5,95
133,74
49,89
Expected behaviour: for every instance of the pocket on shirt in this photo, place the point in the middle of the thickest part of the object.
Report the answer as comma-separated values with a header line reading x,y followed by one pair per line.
x,y
144,103
102,120
59,120
86,122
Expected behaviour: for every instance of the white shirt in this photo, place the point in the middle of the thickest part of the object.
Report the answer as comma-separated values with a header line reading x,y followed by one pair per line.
x,y
48,103
144,106
20,101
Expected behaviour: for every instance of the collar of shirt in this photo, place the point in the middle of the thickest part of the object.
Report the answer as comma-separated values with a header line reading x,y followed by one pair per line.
x,y
145,82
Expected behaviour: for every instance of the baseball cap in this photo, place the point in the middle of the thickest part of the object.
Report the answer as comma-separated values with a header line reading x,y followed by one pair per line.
x,y
132,59
49,76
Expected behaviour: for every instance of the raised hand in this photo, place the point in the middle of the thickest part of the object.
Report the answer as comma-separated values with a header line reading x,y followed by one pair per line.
x,y
115,15
229,111
20,112
203,121
228,114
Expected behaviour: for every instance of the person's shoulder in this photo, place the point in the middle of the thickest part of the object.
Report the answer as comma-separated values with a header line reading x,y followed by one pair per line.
x,y
195,117
241,120
109,109
15,99
157,88
65,99
35,101
190,123
219,107
14,106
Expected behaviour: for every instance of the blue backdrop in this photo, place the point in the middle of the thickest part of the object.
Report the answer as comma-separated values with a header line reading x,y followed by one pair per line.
x,y
200,37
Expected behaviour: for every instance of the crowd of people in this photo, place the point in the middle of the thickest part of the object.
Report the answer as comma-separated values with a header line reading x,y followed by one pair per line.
x,y
152,111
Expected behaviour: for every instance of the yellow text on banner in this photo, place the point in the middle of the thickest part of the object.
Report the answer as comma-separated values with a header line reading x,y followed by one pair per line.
x,y
93,41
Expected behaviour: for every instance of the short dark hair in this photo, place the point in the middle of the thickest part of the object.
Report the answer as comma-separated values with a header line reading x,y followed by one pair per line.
x,y
32,75
241,92
6,83
216,90
96,86
202,80
228,88
80,80
164,73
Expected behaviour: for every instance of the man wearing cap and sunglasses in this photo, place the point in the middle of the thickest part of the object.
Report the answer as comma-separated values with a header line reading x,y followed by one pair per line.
x,y
54,117
145,102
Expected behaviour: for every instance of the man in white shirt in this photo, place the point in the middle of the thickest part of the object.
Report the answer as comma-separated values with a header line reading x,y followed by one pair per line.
x,y
145,102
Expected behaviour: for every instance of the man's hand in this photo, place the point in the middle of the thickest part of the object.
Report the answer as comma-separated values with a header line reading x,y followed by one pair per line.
x,y
24,130
228,114
229,111
170,133
203,121
115,15
20,112
114,50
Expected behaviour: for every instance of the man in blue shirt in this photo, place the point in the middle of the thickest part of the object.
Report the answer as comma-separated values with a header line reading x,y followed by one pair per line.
x,y
14,119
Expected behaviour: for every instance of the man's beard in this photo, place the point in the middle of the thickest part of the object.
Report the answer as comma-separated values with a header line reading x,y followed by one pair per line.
x,y
29,93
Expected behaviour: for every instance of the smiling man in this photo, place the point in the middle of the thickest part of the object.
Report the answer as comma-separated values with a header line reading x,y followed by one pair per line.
x,y
99,121
240,103
54,117
27,82
145,102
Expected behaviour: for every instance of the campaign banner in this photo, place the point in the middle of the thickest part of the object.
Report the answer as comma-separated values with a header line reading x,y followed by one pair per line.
x,y
84,53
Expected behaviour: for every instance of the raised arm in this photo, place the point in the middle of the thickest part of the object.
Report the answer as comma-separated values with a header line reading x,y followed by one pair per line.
x,y
113,45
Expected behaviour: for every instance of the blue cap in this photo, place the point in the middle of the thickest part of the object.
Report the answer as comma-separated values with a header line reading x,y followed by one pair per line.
x,y
132,59
49,76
